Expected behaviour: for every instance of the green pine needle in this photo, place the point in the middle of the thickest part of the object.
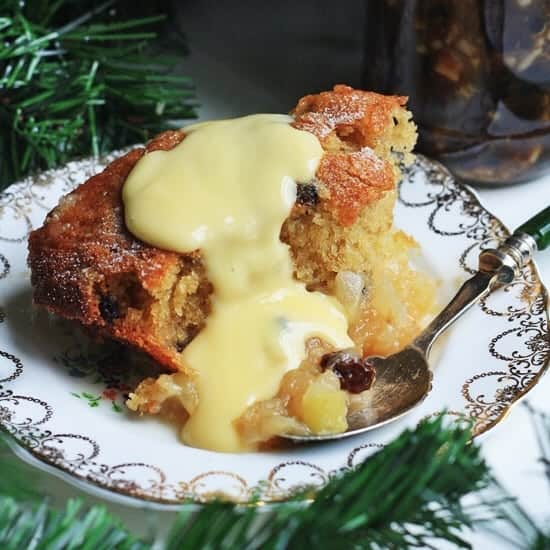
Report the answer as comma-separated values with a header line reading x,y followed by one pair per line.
x,y
410,494
76,80
42,528
407,494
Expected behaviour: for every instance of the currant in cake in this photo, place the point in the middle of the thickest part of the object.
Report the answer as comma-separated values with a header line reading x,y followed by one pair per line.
x,y
255,259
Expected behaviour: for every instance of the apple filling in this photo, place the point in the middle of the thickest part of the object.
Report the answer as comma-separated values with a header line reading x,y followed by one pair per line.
x,y
291,316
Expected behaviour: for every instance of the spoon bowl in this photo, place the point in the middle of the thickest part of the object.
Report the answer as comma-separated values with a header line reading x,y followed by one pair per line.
x,y
402,382
404,379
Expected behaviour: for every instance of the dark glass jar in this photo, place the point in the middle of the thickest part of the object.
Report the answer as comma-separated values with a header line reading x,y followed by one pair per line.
x,y
477,73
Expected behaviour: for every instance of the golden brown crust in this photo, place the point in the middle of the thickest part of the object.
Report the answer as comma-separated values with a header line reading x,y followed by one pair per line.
x,y
165,141
354,180
86,232
355,116
351,125
86,266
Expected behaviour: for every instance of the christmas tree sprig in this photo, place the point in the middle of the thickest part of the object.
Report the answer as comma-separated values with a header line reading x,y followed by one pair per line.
x,y
77,80
406,495
429,485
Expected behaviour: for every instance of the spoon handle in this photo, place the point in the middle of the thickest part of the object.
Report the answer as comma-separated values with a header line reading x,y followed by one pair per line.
x,y
539,228
468,294
496,267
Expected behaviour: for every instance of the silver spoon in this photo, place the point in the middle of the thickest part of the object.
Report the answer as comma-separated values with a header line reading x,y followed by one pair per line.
x,y
404,379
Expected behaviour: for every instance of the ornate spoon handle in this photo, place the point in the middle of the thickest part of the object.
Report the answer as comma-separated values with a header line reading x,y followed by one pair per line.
x,y
496,267
539,228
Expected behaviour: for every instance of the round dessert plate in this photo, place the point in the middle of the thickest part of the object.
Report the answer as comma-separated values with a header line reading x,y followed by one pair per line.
x,y
62,395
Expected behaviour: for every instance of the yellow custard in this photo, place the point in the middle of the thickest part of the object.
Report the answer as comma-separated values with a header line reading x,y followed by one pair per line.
x,y
226,189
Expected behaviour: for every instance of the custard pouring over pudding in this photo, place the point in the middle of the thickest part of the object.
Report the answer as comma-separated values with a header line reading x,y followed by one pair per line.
x,y
226,189
244,255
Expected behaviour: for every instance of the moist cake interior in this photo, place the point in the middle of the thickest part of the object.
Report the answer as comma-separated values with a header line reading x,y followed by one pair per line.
x,y
88,267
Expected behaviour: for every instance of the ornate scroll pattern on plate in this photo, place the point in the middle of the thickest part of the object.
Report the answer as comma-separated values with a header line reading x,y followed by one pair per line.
x,y
525,347
450,210
22,206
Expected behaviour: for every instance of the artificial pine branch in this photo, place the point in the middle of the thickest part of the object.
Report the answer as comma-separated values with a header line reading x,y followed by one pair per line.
x,y
43,528
75,80
515,525
406,495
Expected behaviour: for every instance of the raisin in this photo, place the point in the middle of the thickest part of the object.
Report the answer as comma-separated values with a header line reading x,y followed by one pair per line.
x,y
356,374
192,331
108,307
306,194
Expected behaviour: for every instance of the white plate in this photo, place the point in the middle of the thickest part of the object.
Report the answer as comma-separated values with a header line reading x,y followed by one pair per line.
x,y
54,384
